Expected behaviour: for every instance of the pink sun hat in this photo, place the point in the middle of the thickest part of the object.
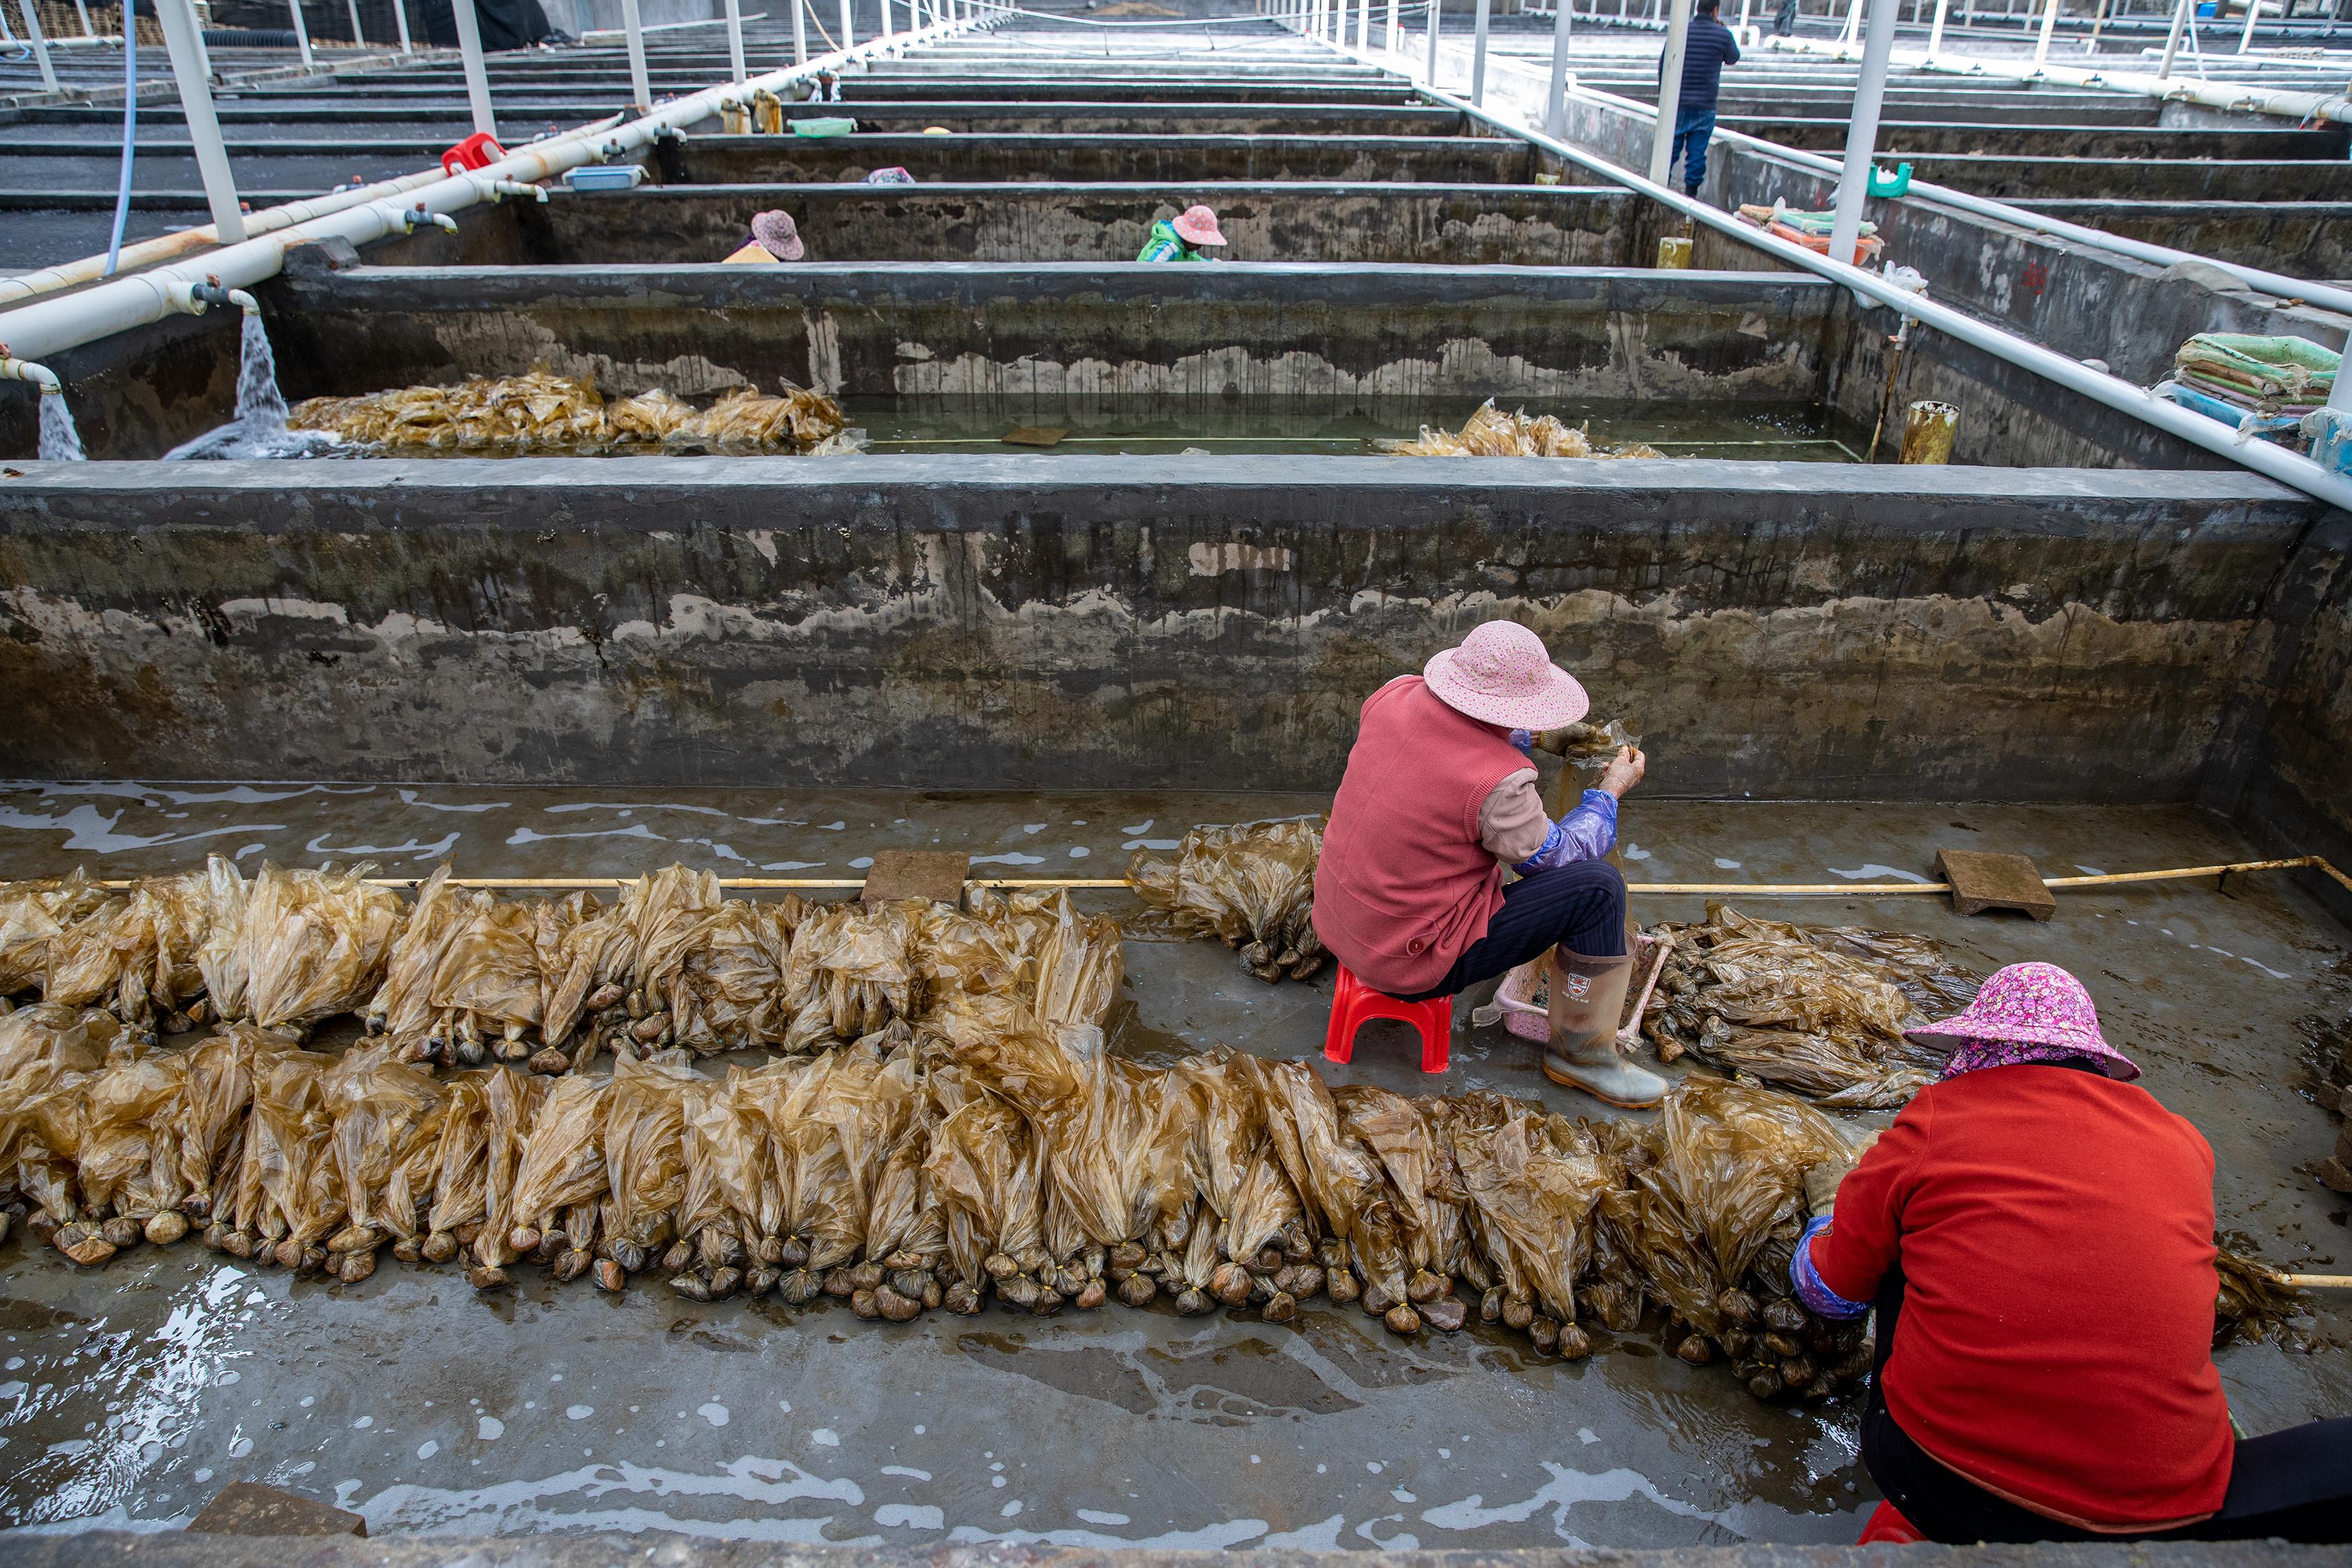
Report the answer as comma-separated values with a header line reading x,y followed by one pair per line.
x,y
1502,675
1198,226
2030,1004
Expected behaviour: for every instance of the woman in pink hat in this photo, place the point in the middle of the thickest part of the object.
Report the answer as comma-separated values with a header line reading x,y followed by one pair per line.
x,y
2037,1234
1439,796
1182,237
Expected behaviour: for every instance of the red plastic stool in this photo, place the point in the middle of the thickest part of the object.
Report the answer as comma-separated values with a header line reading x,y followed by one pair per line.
x,y
1355,1003
479,151
1887,1527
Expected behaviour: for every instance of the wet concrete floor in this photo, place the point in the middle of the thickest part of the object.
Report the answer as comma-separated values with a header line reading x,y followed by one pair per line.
x,y
131,1393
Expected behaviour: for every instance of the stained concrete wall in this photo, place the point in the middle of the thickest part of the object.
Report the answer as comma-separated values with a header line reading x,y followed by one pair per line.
x,y
739,160
1520,225
2302,239
1027,343
1910,138
998,119
2290,785
1776,631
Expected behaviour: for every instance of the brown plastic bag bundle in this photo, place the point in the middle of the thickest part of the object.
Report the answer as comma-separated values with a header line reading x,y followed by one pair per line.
x,y
225,959
1531,1198
1251,886
32,916
317,942
960,955
487,977
651,416
128,1157
1491,433
286,1197
644,1153
1735,1156
510,1103
750,420
1236,1168
387,1117
214,1103
88,958
562,1163
402,1009
734,990
1343,1185
985,1170
851,971
1080,964
1118,1137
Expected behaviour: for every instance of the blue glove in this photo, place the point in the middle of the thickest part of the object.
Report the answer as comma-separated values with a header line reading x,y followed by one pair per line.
x,y
1806,1280
1525,740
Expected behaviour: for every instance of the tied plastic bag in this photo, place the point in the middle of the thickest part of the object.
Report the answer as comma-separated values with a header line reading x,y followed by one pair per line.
x,y
316,943
33,915
127,1158
1491,433
1079,965
1532,1196
1821,1012
510,1100
1251,886
644,1152
734,978
1236,1168
1734,1157
851,971
387,1127
1342,1183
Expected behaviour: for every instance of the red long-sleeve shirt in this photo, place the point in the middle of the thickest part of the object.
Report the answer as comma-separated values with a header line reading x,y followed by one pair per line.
x,y
2055,1231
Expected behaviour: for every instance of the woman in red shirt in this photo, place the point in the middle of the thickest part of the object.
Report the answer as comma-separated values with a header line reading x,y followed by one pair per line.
x,y
2037,1234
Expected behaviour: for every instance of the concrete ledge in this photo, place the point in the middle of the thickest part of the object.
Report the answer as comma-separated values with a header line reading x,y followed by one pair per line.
x,y
20,1550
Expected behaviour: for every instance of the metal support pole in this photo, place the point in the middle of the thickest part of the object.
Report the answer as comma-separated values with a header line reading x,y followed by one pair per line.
x,y
735,40
478,75
1396,26
1862,136
1364,25
800,32
358,34
81,7
633,29
301,31
1429,70
190,70
1478,55
2253,9
889,31
40,42
2172,38
846,40
2049,27
1936,32
1853,23
400,21
1555,97
1670,91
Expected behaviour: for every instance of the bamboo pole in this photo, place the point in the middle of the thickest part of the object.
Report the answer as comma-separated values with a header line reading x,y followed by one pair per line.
x,y
1728,889
2318,1281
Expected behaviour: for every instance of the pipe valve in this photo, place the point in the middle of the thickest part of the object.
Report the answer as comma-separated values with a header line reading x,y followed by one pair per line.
x,y
40,376
417,214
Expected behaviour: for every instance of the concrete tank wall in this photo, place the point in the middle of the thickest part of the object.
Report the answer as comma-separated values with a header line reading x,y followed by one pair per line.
x,y
1775,632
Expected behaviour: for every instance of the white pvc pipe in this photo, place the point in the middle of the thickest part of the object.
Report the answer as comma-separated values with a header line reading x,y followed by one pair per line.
x,y
641,89
2049,27
2245,39
40,43
185,45
2172,38
1670,91
1364,24
54,323
737,71
800,32
400,21
1429,70
359,35
81,8
847,41
301,31
1862,132
1556,95
887,29
1396,26
1478,52
1936,31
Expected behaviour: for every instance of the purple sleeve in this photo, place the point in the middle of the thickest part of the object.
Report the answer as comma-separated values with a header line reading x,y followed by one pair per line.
x,y
1808,1284
1585,834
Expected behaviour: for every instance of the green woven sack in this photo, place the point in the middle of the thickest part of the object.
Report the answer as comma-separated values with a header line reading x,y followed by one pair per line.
x,y
2265,367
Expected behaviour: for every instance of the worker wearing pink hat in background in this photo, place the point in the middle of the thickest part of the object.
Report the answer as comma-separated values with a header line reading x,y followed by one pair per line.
x,y
1179,239
2036,1234
1439,796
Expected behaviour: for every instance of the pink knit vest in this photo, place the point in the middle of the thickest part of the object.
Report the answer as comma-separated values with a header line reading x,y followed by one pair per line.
x,y
1404,886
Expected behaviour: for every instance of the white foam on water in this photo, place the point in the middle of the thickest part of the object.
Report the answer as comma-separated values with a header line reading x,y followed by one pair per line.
x,y
1322,1536
634,830
1566,1489
1013,859
409,798
712,1411
910,1516
626,806
490,1429
525,1505
1208,1538
415,848
1151,844
1723,865
1096,1516
89,830
911,1473
794,865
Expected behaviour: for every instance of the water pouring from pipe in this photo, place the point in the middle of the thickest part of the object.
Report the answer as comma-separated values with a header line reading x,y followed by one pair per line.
x,y
258,427
59,441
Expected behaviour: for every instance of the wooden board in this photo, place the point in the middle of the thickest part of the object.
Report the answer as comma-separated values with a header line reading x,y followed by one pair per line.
x,y
1034,436
934,874
1983,881
243,1508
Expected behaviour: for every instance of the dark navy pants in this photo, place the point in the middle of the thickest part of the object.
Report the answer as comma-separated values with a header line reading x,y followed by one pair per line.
x,y
1581,904
1694,129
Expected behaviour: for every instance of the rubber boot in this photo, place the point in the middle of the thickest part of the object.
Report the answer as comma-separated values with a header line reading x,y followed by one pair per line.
x,y
1586,1002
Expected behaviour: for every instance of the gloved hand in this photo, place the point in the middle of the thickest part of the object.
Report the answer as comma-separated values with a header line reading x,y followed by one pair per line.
x,y
1525,740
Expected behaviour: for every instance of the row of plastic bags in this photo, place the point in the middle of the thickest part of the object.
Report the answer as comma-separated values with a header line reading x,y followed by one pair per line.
x,y
459,975
914,1170
1252,887
541,412
1816,1010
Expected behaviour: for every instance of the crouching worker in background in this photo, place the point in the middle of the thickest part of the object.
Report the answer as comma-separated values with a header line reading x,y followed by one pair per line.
x,y
1439,796
2037,1234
